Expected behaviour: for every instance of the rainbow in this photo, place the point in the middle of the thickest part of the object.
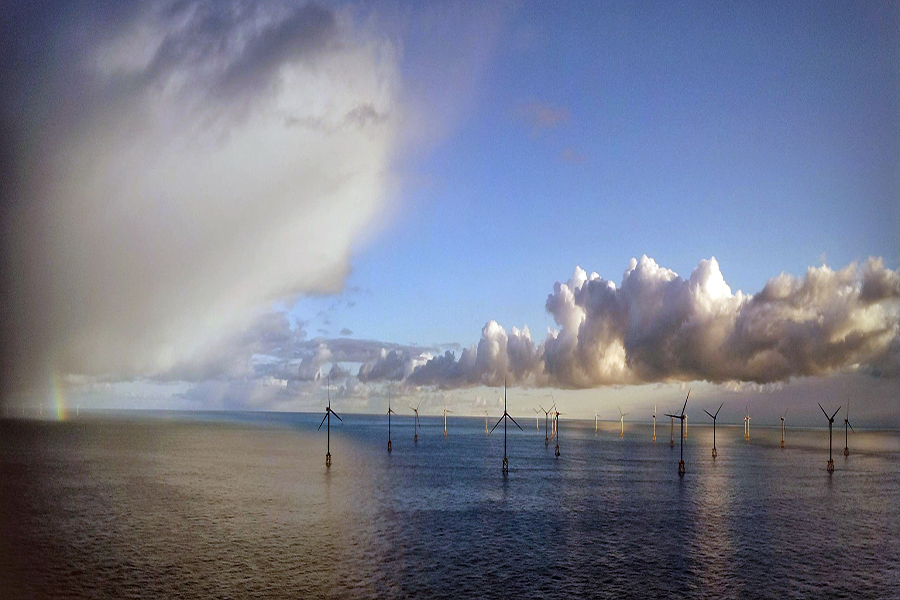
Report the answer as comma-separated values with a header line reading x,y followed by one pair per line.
x,y
58,396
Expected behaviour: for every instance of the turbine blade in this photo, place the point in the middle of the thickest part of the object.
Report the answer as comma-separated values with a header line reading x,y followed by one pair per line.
x,y
851,426
495,426
514,421
710,415
835,413
323,422
673,416
685,401
335,414
720,408
823,410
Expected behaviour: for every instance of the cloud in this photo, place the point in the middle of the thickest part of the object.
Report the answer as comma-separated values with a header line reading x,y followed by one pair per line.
x,y
539,116
346,331
572,156
658,327
159,201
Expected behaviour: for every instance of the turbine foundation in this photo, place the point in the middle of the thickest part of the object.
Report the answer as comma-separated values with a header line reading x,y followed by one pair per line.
x,y
681,468
505,466
715,452
846,451
830,467
328,459
389,445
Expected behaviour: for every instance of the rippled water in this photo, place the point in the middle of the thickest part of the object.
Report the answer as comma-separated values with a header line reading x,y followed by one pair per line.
x,y
242,506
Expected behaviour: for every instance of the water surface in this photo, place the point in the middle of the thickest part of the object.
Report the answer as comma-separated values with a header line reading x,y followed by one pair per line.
x,y
242,506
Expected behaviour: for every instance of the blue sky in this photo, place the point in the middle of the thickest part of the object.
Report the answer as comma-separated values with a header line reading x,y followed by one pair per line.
x,y
766,136
216,205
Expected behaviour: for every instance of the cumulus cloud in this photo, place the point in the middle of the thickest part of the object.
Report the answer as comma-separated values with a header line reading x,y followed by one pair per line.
x,y
174,168
657,326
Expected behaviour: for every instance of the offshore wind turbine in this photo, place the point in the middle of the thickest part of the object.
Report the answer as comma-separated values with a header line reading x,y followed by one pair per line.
x,y
623,415
671,431
782,427
327,417
486,422
654,423
546,426
537,416
556,418
505,416
715,452
416,422
389,413
596,416
747,426
846,425
830,423
681,417
446,410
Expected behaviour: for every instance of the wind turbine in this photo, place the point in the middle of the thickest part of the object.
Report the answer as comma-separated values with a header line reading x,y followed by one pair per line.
x,y
747,426
681,418
782,427
846,425
654,423
671,431
416,422
556,419
486,422
715,452
622,432
505,416
537,416
546,426
830,423
327,417
389,413
446,410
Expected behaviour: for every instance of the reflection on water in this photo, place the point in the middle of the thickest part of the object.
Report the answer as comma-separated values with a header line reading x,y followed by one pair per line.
x,y
117,507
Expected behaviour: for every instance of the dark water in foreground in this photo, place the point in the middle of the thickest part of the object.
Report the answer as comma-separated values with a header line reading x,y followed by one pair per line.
x,y
121,507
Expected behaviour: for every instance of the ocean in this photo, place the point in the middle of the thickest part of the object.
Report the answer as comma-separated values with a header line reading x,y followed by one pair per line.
x,y
241,505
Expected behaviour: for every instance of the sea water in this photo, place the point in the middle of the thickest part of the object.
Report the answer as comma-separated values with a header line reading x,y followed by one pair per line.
x,y
219,505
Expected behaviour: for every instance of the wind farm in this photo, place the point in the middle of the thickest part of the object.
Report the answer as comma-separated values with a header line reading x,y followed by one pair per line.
x,y
226,224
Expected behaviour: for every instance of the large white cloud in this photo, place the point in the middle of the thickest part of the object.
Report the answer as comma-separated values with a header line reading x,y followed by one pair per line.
x,y
180,165
658,327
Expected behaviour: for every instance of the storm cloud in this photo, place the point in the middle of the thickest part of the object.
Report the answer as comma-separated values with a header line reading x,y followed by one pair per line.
x,y
173,168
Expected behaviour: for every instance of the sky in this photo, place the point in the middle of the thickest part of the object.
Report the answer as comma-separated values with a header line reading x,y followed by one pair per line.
x,y
224,205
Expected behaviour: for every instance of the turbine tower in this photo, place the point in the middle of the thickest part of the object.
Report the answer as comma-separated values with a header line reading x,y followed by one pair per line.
x,y
389,413
715,452
327,417
654,423
446,410
486,422
596,416
671,431
782,427
556,419
846,425
623,415
505,416
830,423
537,417
546,426
416,422
747,426
681,418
